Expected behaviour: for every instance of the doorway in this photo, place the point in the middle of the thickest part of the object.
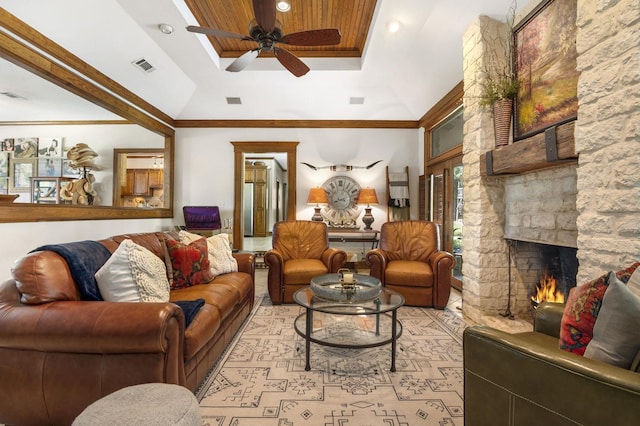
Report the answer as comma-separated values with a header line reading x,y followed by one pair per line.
x,y
244,150
444,132
445,205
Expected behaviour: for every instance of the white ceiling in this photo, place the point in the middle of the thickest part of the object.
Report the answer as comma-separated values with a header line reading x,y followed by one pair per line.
x,y
400,76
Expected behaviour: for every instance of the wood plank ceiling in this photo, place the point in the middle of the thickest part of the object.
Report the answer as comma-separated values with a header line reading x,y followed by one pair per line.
x,y
351,17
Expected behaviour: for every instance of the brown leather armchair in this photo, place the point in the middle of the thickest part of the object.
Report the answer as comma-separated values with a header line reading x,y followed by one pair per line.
x,y
408,261
300,252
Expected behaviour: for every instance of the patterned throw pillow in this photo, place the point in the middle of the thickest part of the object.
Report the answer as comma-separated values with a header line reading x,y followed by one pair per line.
x,y
582,308
220,253
190,263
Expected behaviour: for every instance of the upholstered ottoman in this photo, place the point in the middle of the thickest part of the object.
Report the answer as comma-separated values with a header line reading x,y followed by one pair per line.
x,y
143,405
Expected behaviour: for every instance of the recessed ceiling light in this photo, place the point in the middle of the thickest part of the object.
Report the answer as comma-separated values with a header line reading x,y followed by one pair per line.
x,y
393,26
165,28
283,6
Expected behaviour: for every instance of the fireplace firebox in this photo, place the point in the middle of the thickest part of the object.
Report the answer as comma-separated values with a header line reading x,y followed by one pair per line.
x,y
542,272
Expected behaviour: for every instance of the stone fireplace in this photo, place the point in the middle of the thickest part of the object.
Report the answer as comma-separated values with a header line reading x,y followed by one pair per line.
x,y
589,206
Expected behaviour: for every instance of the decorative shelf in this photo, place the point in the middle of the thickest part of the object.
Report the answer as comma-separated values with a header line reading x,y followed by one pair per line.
x,y
554,147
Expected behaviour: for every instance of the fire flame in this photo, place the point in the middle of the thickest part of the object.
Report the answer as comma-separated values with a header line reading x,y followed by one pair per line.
x,y
547,291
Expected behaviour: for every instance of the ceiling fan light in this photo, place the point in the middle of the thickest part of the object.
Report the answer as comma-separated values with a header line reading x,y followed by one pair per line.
x,y
283,6
393,26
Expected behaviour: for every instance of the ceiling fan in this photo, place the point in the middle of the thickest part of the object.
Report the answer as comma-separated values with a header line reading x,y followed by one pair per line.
x,y
264,30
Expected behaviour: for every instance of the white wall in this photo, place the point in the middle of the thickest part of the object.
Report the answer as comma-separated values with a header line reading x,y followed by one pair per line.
x,y
204,175
208,155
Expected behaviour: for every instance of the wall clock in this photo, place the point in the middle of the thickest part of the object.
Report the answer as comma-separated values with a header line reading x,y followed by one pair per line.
x,y
342,193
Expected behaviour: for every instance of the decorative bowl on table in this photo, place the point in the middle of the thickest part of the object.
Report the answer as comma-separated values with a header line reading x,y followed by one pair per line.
x,y
332,288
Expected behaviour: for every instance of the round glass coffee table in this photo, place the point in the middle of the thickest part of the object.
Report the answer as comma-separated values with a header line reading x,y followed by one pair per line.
x,y
350,323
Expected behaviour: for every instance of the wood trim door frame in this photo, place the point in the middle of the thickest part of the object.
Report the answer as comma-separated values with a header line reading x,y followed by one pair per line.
x,y
240,149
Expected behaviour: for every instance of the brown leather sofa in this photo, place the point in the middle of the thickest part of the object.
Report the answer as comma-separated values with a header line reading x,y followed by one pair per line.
x,y
59,354
407,260
526,379
300,252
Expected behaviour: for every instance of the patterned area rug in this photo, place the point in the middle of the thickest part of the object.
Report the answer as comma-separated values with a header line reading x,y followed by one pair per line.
x,y
261,378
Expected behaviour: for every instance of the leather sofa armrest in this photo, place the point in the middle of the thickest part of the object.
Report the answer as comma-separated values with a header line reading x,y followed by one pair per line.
x,y
378,259
275,280
547,318
246,263
542,378
93,327
442,263
334,259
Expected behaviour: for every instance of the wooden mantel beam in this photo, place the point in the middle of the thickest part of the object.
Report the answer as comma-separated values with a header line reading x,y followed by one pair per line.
x,y
549,149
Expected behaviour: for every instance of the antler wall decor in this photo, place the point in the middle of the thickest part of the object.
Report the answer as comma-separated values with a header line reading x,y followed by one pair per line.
x,y
341,167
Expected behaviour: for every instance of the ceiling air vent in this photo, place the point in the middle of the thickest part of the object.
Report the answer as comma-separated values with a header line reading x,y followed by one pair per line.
x,y
234,101
144,65
356,100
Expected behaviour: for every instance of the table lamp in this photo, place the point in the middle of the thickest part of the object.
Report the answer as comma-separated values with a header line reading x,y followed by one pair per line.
x,y
317,196
367,196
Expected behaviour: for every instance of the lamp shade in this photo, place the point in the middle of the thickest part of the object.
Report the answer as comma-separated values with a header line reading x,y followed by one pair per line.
x,y
317,196
367,196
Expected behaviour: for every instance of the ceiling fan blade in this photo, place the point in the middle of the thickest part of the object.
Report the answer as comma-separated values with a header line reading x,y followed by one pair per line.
x,y
265,12
244,60
216,33
323,37
290,62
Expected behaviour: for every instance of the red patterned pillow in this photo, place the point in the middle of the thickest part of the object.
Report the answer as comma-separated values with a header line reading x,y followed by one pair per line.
x,y
582,308
190,263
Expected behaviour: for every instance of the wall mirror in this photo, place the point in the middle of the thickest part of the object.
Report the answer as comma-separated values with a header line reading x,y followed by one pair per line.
x,y
66,100
138,178
252,152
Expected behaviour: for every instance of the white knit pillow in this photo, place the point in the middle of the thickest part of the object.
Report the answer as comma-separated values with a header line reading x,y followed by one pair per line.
x,y
133,274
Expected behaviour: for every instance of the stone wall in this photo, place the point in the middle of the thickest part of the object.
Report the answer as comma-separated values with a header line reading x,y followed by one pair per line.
x,y
600,208
608,135
541,206
485,267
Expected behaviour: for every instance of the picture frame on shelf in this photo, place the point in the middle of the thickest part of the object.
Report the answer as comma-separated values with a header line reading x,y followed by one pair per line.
x,y
50,147
21,170
25,148
8,144
48,166
546,68
67,170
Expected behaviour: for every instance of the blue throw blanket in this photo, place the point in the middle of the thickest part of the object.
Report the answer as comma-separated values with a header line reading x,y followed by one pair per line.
x,y
84,259
190,309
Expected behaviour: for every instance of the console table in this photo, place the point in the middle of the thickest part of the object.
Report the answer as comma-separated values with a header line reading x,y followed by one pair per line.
x,y
347,235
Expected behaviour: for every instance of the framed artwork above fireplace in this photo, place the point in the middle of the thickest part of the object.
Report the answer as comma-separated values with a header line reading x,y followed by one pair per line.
x,y
545,65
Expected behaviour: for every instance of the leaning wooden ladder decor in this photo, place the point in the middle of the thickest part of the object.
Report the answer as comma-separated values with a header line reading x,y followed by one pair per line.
x,y
398,207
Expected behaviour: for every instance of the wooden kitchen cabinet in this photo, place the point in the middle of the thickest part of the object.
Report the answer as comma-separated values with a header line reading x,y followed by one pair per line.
x,y
156,179
142,182
258,174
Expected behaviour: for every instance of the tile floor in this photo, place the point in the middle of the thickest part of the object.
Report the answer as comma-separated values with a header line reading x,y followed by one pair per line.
x,y
256,243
